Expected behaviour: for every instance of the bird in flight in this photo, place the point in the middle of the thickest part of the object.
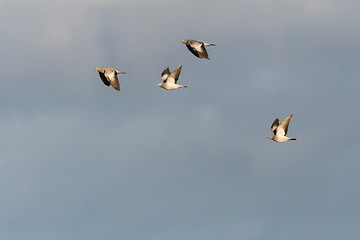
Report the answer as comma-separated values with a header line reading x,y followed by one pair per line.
x,y
280,130
197,48
109,76
170,79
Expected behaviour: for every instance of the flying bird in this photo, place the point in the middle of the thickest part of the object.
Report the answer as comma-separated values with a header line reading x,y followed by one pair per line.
x,y
109,76
280,130
170,79
197,48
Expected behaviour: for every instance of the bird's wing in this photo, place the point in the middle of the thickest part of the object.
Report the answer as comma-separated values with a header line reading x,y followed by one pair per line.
x,y
199,47
104,79
284,125
191,49
165,74
174,76
113,79
274,126
115,83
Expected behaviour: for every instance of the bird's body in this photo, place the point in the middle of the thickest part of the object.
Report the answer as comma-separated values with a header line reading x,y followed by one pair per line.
x,y
280,130
281,138
109,76
197,48
170,79
171,86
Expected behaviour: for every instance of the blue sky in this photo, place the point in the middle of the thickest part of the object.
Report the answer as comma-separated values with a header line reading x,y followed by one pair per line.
x,y
80,160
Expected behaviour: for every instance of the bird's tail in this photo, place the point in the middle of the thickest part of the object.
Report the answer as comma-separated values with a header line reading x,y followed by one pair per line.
x,y
209,44
292,139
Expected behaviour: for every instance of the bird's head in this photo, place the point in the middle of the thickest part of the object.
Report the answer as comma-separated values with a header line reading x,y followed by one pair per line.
x,y
184,41
100,69
159,84
271,137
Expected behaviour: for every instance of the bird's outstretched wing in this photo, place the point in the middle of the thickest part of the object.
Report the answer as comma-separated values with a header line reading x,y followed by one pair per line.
x,y
282,129
174,76
165,74
115,83
192,50
274,126
199,47
113,79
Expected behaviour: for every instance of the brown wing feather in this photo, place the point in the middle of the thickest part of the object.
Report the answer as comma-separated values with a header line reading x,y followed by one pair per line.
x,y
165,74
204,53
285,124
274,126
174,76
192,50
115,83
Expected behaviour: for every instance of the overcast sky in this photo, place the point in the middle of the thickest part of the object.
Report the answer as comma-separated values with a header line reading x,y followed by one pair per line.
x,y
80,160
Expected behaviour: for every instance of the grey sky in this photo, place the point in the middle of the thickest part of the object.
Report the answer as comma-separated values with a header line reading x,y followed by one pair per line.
x,y
79,160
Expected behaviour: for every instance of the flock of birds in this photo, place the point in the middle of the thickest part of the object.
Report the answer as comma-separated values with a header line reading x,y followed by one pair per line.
x,y
170,79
